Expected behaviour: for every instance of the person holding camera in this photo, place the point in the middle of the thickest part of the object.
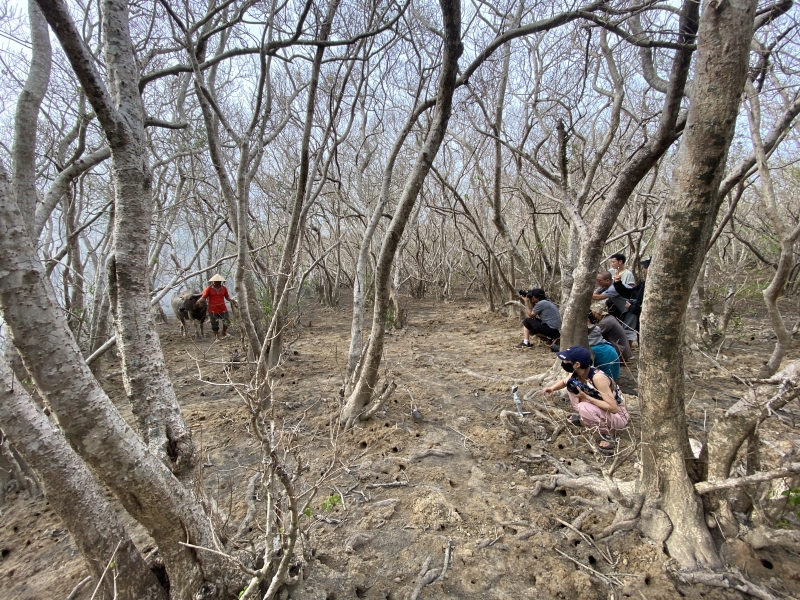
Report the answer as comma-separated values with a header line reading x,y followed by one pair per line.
x,y
543,319
593,394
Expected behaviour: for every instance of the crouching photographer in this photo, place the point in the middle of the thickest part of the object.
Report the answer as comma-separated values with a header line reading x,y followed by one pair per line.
x,y
593,394
543,320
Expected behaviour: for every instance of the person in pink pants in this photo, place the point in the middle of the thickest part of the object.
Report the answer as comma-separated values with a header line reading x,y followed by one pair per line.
x,y
593,394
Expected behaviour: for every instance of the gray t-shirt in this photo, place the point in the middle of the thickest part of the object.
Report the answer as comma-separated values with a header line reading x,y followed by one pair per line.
x,y
617,300
548,313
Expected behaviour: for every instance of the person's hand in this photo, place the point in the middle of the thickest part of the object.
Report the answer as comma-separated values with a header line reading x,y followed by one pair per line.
x,y
617,276
627,306
548,390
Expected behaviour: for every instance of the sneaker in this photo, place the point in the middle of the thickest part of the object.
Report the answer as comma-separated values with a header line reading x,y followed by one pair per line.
x,y
575,419
522,345
555,348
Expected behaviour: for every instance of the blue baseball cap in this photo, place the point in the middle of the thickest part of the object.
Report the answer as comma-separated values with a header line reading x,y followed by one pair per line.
x,y
577,354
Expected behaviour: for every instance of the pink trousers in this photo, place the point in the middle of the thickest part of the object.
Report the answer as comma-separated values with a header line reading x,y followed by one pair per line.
x,y
593,416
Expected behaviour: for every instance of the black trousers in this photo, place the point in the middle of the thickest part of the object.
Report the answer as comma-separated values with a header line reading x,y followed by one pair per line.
x,y
535,326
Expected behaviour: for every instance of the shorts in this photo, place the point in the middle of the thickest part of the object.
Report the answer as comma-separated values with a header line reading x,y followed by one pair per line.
x,y
216,317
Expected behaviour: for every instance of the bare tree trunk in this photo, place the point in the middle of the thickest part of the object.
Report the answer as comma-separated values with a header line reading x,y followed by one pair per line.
x,y
144,484
723,44
497,128
786,237
75,496
736,426
23,152
573,328
121,115
293,235
364,388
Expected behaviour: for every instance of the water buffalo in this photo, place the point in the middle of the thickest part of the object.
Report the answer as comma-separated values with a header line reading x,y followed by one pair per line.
x,y
187,307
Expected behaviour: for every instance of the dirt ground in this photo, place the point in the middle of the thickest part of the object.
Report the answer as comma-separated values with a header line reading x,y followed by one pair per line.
x,y
454,481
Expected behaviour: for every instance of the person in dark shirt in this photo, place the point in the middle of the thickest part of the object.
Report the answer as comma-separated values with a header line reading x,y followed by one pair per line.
x,y
634,295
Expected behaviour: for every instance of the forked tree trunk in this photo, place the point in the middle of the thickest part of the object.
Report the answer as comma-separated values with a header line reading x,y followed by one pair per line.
x,y
74,495
573,329
723,46
365,387
121,115
145,486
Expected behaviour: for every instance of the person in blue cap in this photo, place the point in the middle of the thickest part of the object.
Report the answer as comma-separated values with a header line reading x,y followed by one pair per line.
x,y
593,394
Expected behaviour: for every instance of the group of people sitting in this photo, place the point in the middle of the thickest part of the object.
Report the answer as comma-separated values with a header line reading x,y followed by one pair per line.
x,y
613,323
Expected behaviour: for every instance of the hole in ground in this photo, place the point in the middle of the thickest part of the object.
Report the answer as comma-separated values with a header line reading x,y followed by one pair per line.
x,y
764,562
363,445
647,579
592,560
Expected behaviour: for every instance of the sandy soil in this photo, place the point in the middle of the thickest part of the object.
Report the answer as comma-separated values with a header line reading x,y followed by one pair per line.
x,y
457,478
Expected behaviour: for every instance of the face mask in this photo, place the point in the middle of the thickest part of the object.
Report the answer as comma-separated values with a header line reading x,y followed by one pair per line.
x,y
567,367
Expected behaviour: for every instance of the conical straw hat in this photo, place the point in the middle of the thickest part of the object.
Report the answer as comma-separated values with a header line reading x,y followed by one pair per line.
x,y
217,277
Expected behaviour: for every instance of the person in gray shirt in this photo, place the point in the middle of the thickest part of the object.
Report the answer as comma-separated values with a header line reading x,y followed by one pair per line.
x,y
605,291
543,320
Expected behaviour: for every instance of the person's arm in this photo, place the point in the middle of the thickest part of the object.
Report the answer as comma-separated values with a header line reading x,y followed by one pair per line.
x,y
623,290
602,385
596,296
528,309
233,302
556,386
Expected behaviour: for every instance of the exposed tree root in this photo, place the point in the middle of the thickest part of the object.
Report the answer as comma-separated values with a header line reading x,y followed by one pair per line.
x,y
766,537
704,487
517,425
730,581
429,452
388,389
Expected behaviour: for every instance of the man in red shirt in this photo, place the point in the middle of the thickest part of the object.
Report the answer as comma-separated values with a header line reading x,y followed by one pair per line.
x,y
215,295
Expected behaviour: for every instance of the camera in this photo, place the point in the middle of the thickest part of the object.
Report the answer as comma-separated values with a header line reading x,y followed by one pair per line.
x,y
573,387
526,293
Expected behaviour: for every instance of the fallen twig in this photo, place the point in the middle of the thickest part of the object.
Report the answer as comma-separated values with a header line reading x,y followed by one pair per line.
x,y
587,539
386,485
424,578
447,551
74,593
604,578
466,437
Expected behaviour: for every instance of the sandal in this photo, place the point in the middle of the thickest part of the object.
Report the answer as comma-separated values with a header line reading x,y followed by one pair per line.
x,y
607,444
